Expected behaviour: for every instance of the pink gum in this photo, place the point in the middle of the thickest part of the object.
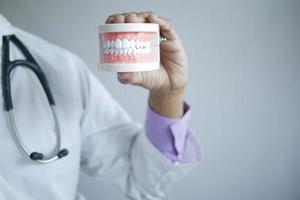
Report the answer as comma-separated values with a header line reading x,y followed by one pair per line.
x,y
145,36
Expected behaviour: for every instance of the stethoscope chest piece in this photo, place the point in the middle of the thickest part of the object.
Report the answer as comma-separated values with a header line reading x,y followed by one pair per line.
x,y
30,63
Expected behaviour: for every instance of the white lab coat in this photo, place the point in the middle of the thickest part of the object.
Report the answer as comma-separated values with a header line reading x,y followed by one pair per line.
x,y
102,139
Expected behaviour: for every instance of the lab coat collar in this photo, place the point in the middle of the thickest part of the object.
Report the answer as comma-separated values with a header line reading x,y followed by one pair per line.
x,y
5,28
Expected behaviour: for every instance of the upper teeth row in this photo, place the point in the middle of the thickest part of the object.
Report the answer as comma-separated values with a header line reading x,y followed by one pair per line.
x,y
125,43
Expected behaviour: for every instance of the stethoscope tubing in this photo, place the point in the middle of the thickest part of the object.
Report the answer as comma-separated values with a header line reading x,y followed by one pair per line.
x,y
30,63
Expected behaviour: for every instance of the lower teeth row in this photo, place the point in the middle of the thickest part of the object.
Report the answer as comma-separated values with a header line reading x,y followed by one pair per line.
x,y
127,51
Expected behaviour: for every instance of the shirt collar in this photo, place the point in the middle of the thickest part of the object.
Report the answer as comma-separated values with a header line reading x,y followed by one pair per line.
x,y
5,28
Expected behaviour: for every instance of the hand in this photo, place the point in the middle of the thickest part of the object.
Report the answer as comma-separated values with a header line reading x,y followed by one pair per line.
x,y
172,74
167,84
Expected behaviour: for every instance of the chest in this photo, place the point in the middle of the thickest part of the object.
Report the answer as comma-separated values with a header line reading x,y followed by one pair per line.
x,y
20,177
36,126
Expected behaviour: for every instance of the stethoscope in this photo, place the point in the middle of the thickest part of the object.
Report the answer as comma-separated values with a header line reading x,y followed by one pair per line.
x,y
30,63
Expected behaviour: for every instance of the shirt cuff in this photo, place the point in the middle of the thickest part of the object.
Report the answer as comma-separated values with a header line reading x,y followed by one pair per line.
x,y
168,135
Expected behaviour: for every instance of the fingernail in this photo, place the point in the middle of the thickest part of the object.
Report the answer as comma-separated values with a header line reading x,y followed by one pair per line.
x,y
110,19
122,77
123,80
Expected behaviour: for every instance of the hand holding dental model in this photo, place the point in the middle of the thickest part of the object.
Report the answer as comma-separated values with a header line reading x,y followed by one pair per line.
x,y
166,84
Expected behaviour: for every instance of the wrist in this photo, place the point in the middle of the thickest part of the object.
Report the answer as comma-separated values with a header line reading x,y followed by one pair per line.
x,y
168,103
168,92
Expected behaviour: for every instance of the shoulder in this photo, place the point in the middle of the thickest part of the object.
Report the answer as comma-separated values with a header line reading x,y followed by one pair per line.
x,y
58,63
53,56
65,71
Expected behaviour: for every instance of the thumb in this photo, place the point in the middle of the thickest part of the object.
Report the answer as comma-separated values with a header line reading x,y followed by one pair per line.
x,y
133,78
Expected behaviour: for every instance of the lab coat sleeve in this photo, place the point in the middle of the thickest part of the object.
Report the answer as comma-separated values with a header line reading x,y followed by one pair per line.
x,y
115,148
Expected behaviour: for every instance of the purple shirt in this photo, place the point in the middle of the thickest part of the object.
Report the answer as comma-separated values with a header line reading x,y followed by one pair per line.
x,y
169,135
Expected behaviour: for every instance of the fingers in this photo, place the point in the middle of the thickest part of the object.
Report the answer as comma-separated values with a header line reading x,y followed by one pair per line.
x,y
116,18
135,18
146,14
110,19
165,26
131,17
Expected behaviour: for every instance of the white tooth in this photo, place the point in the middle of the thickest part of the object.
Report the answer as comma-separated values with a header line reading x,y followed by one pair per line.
x,y
111,50
139,51
125,51
118,43
147,50
130,50
132,43
143,44
112,44
135,51
115,51
140,43
125,43
147,44
121,51
108,44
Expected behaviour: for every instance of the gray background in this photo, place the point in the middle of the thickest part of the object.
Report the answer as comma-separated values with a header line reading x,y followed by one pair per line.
x,y
244,86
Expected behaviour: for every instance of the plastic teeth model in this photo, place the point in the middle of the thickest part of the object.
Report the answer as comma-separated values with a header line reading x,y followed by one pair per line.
x,y
129,47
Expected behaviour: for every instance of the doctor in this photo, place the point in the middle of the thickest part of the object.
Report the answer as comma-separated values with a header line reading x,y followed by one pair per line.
x,y
101,139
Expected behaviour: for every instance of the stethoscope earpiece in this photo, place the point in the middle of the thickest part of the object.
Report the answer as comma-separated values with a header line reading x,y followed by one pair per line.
x,y
36,156
63,153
